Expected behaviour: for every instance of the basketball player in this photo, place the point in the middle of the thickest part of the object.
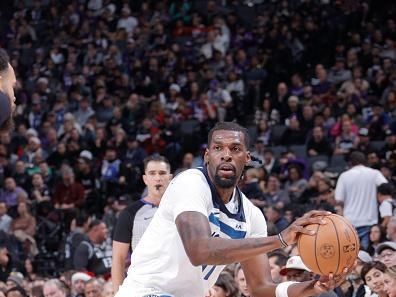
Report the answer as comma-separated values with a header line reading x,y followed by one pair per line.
x,y
133,220
204,222
7,97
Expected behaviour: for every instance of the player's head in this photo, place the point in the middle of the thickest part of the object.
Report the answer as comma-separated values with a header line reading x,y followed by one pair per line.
x,y
157,175
7,97
227,153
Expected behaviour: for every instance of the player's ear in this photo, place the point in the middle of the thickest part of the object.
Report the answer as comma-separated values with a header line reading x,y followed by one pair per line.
x,y
206,157
248,158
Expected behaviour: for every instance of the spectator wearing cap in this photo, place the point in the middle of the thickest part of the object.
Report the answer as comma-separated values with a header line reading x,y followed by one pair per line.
x,y
318,144
15,279
295,270
364,141
32,150
78,281
356,192
86,176
386,252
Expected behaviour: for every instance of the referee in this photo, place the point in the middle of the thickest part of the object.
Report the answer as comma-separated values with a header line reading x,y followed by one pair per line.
x,y
133,220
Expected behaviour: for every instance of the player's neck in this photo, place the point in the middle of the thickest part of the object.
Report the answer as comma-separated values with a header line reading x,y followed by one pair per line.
x,y
225,194
153,199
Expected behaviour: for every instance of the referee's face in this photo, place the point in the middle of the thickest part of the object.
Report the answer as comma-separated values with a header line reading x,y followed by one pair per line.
x,y
157,177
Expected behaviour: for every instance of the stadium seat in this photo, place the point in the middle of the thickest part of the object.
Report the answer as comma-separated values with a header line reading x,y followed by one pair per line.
x,y
377,145
315,159
276,133
338,161
299,150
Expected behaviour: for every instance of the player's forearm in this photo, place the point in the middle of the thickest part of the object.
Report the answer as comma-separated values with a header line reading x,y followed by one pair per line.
x,y
217,251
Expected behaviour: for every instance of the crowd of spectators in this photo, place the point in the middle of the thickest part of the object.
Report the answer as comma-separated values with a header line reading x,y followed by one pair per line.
x,y
104,83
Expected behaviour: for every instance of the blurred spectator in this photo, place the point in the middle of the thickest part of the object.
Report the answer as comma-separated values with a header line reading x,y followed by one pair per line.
x,y
318,144
293,135
93,288
277,260
224,286
54,288
386,204
391,229
275,196
355,192
24,228
296,183
94,254
12,193
6,264
78,230
389,281
275,216
386,252
241,281
377,235
5,219
78,281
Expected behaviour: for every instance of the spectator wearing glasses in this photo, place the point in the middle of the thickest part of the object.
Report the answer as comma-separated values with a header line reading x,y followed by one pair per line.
x,y
386,252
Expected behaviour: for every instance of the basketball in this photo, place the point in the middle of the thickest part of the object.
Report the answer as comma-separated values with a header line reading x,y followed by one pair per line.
x,y
335,246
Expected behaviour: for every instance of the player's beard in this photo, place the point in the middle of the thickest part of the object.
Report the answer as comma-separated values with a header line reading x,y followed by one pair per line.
x,y
225,182
8,125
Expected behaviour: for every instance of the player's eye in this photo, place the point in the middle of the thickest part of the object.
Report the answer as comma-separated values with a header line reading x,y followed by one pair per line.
x,y
217,148
236,149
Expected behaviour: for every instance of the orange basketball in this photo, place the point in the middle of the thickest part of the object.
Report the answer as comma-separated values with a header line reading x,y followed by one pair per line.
x,y
334,247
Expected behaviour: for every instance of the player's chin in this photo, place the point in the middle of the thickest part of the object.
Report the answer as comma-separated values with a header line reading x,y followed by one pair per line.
x,y
225,182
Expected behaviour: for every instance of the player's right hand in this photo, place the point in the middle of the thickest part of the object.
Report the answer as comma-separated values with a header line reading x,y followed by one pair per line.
x,y
290,234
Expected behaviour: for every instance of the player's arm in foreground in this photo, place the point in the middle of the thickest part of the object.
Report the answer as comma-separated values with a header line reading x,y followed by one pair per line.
x,y
202,249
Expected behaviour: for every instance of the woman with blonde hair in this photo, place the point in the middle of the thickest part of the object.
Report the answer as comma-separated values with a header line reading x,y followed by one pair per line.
x,y
390,281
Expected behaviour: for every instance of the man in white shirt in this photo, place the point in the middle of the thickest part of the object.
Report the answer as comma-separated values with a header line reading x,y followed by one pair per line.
x,y
386,204
356,192
204,222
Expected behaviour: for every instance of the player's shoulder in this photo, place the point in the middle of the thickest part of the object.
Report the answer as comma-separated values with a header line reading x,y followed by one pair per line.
x,y
190,175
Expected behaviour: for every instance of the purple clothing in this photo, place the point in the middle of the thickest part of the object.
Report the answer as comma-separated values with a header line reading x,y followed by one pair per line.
x,y
11,198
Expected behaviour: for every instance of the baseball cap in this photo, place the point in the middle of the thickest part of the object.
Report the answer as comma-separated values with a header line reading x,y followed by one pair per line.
x,y
294,262
86,155
175,87
5,108
16,278
386,245
363,132
364,257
